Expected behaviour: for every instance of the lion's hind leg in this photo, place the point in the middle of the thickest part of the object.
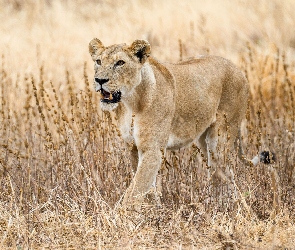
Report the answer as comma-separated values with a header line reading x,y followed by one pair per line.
x,y
214,156
220,140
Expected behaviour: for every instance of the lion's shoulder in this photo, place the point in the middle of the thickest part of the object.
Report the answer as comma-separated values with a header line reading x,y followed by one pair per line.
x,y
165,72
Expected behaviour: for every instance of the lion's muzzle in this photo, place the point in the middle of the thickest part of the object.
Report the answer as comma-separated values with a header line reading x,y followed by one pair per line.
x,y
108,97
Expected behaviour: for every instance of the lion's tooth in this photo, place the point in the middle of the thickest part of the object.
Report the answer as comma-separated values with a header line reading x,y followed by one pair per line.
x,y
111,96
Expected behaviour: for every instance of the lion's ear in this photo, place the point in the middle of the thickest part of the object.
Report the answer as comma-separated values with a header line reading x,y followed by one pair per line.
x,y
141,49
95,47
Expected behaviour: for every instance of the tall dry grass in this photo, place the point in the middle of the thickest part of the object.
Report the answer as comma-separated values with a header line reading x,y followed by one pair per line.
x,y
63,165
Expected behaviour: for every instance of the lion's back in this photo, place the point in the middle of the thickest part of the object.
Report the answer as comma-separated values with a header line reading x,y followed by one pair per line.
x,y
212,76
209,85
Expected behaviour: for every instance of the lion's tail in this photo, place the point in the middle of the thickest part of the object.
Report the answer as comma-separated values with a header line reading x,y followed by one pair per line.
x,y
266,157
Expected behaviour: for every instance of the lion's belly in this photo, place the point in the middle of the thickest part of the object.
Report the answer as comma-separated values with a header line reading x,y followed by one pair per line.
x,y
185,131
175,142
197,100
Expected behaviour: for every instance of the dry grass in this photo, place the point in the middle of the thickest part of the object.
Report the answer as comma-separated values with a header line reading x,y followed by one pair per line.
x,y
63,165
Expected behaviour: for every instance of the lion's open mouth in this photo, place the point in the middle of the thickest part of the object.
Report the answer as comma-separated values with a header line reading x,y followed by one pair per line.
x,y
108,97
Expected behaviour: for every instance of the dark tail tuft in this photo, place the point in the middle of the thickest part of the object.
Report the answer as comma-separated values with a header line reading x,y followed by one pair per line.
x,y
267,157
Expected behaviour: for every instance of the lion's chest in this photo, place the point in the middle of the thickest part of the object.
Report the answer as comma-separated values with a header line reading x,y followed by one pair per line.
x,y
125,124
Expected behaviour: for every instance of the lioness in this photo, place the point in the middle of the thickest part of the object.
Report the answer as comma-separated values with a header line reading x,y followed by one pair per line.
x,y
170,105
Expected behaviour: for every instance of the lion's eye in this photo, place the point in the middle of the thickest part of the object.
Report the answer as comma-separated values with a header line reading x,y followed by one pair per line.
x,y
98,61
120,63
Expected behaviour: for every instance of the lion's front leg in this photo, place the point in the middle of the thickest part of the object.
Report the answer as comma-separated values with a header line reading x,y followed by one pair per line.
x,y
149,162
134,157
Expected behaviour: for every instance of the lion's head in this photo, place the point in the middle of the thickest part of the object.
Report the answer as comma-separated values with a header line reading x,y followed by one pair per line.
x,y
117,69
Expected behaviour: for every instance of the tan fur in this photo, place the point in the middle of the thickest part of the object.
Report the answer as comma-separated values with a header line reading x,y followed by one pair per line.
x,y
173,105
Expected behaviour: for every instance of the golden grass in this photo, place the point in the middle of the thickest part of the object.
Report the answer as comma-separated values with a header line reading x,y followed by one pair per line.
x,y
63,165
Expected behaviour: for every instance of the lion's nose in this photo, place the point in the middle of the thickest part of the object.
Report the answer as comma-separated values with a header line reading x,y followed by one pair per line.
x,y
101,81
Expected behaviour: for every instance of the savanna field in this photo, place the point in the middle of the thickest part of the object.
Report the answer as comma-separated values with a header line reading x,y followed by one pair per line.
x,y
64,167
